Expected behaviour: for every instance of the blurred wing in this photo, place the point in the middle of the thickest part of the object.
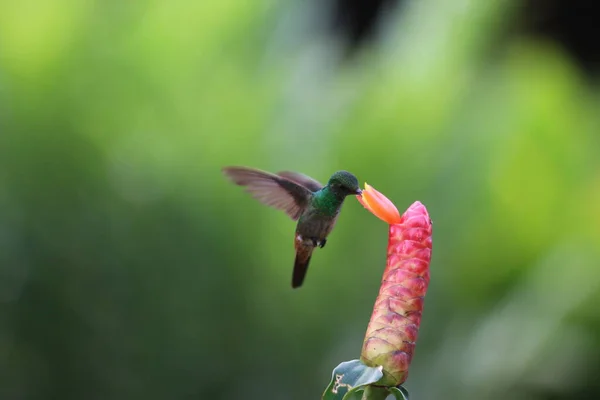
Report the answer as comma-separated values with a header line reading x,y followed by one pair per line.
x,y
302,179
271,190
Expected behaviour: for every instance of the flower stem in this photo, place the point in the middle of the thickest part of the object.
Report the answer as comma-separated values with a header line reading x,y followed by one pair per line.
x,y
375,393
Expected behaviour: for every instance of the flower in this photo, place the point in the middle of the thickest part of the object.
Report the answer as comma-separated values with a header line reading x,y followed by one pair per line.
x,y
379,205
392,331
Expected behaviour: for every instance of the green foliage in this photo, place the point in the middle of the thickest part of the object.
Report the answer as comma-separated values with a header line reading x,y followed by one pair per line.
x,y
349,378
399,393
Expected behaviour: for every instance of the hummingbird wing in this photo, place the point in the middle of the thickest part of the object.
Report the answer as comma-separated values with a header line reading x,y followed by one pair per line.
x,y
271,190
302,179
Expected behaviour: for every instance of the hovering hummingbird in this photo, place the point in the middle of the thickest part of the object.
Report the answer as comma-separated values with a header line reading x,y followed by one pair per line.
x,y
314,206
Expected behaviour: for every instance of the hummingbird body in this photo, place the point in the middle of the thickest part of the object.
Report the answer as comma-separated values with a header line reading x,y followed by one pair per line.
x,y
314,225
314,206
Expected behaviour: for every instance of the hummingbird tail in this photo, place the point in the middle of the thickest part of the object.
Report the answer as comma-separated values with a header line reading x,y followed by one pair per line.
x,y
300,268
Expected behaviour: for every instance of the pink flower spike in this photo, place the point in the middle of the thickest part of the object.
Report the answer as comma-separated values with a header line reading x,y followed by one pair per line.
x,y
392,332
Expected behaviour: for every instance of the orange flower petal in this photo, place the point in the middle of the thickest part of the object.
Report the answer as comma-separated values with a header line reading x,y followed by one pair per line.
x,y
379,205
362,201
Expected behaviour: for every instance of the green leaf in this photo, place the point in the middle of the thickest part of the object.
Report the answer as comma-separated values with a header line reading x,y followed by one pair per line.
x,y
350,376
354,394
369,392
399,393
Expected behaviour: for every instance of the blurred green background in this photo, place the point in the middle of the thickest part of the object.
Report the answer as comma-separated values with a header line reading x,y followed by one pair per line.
x,y
131,269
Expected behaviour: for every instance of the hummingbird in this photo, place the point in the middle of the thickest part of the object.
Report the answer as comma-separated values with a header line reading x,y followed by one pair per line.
x,y
315,206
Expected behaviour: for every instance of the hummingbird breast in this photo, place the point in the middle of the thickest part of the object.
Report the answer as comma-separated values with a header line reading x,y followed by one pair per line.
x,y
315,225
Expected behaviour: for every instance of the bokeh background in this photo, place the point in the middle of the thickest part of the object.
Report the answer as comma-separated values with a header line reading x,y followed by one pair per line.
x,y
131,269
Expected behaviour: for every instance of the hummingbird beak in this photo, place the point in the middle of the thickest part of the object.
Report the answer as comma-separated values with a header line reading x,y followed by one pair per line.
x,y
359,192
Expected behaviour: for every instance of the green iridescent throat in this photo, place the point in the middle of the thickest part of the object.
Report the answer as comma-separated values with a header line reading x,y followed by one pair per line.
x,y
327,201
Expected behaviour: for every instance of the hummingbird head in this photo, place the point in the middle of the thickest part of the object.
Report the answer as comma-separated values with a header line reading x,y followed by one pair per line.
x,y
344,183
